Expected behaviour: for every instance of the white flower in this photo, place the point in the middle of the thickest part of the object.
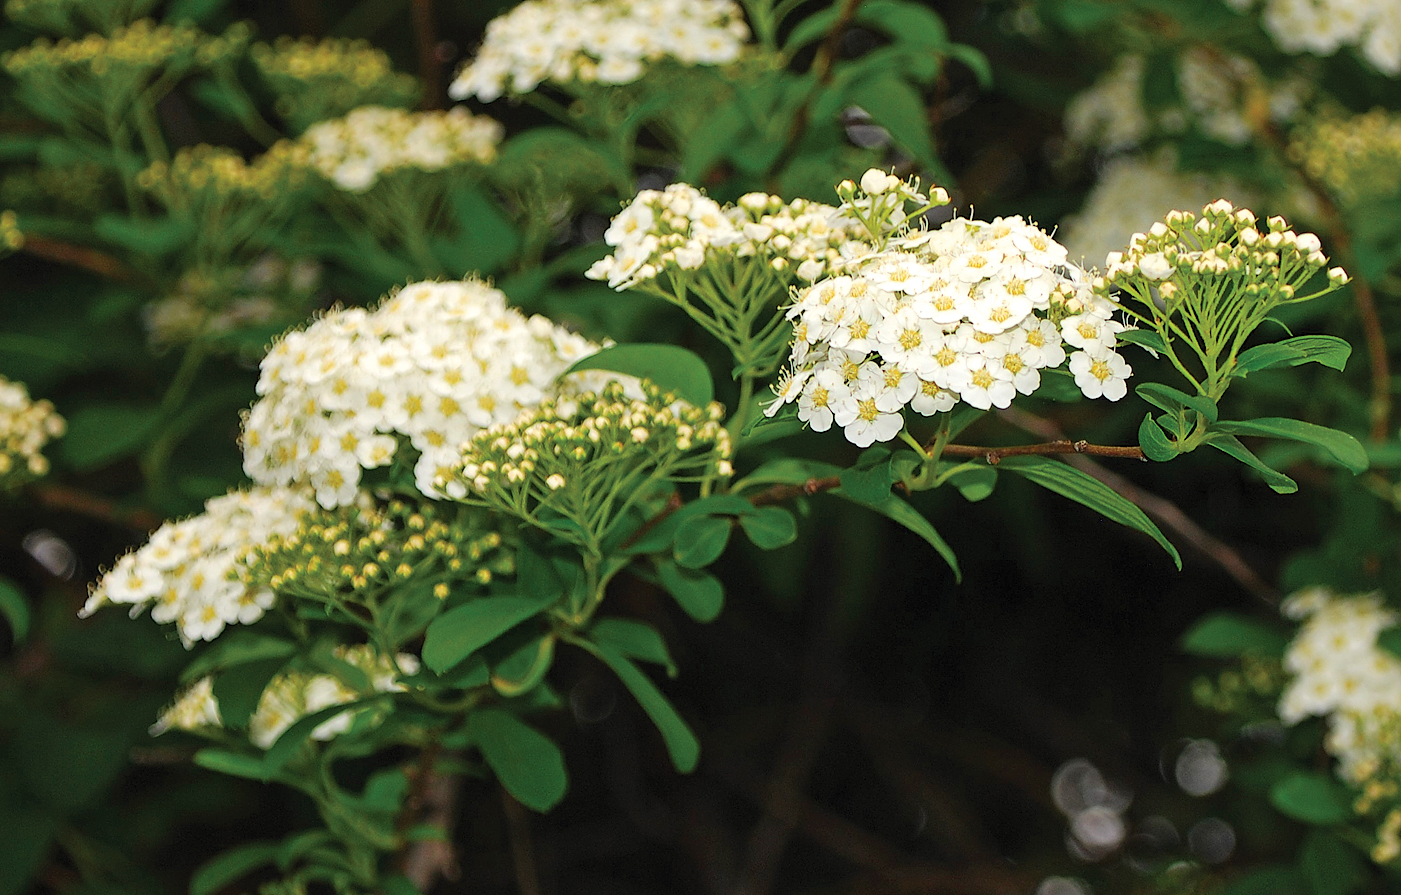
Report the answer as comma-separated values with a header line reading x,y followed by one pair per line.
x,y
1101,375
25,427
435,363
355,151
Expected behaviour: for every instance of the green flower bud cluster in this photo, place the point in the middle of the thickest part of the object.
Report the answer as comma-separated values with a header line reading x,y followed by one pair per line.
x,y
577,463
11,239
207,175
1253,688
318,80
1207,281
358,553
71,17
1356,158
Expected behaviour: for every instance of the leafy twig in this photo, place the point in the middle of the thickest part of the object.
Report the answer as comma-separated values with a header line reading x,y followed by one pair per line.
x,y
1060,446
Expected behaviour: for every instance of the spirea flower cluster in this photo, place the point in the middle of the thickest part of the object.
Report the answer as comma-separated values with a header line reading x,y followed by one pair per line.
x,y
433,364
678,227
1186,256
25,427
1322,27
1342,675
1111,115
319,79
581,458
972,311
290,696
597,41
1131,194
194,572
204,175
373,141
375,547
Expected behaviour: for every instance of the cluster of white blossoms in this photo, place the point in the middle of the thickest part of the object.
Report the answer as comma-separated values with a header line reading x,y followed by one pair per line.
x,y
433,364
597,41
25,427
193,572
355,151
1339,673
1133,192
972,311
1322,27
679,227
1111,116
290,696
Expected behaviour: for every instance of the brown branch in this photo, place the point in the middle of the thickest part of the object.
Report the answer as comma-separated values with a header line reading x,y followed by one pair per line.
x,y
522,854
62,497
433,802
993,455
91,260
1336,230
430,67
1160,508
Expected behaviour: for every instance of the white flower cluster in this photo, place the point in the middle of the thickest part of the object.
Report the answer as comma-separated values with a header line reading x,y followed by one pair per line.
x,y
964,312
1342,675
676,228
1132,192
355,151
1110,115
597,41
1322,27
193,572
433,364
25,427
290,696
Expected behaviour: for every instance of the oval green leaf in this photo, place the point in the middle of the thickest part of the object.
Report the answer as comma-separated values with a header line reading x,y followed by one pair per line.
x,y
671,368
528,763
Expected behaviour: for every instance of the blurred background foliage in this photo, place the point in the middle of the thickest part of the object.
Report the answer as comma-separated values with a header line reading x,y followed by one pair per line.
x,y
868,726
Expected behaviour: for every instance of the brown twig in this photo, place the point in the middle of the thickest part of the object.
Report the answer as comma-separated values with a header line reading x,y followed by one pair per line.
x,y
62,497
433,802
993,455
91,260
522,853
1160,508
822,67
430,67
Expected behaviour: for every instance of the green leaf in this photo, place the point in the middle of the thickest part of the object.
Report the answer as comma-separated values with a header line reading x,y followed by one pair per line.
x,y
1167,398
239,689
1390,640
237,648
1070,482
1344,448
528,763
1144,338
975,60
1228,634
898,107
235,764
786,471
770,528
709,142
290,741
907,22
698,593
457,633
1156,445
681,743
1313,798
486,239
672,369
814,27
101,433
1330,351
148,236
869,480
700,540
1276,880
1231,446
634,639
975,481
398,884
1331,866
14,608
763,429
524,667
897,510
231,866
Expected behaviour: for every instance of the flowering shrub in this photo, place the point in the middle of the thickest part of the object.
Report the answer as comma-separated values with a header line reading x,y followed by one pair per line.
x,y
671,465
